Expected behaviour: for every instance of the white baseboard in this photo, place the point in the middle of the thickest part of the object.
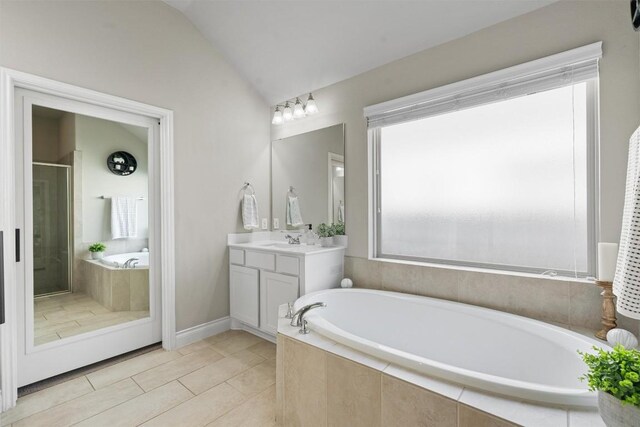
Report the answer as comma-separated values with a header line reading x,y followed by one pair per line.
x,y
205,330
235,324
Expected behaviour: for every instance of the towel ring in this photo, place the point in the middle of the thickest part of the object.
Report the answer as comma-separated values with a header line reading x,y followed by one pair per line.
x,y
248,187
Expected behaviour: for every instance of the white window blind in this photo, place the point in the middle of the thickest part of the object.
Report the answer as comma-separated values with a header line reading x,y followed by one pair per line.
x,y
500,175
574,66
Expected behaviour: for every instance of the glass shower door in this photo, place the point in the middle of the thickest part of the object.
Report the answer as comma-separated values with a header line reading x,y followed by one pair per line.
x,y
51,229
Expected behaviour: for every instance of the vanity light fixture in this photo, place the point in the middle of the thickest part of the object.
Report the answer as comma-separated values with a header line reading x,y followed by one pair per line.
x,y
298,110
311,107
286,112
277,116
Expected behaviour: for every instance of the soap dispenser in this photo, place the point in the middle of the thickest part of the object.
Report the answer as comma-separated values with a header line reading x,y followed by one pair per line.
x,y
309,235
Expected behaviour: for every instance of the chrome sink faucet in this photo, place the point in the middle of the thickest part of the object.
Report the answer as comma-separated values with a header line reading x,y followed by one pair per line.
x,y
130,263
292,240
298,317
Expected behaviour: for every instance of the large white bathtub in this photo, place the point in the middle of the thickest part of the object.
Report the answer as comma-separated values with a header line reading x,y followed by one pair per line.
x,y
118,260
473,346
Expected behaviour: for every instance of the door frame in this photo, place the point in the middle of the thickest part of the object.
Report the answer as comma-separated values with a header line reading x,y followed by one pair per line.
x,y
333,158
10,80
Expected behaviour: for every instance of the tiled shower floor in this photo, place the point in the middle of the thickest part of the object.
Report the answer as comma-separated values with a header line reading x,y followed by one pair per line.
x,y
65,315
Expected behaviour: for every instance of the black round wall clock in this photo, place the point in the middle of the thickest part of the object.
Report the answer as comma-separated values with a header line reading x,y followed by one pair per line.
x,y
122,163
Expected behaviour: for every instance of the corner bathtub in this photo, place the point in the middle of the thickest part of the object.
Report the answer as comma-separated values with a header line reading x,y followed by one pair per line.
x,y
118,260
473,346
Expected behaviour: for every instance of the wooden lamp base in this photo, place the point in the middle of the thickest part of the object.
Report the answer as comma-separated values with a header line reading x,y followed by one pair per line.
x,y
608,309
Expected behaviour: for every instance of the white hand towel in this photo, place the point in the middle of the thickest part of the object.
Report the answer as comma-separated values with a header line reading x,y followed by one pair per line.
x,y
250,212
124,217
341,212
294,217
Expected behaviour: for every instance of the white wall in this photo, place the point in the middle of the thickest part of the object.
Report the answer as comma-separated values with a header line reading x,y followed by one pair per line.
x,y
552,29
149,52
97,139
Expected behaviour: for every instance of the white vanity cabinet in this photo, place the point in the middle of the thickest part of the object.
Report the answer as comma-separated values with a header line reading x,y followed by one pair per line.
x,y
265,275
244,294
275,289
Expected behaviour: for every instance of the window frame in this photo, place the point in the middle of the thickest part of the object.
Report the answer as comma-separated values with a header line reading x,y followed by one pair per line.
x,y
593,220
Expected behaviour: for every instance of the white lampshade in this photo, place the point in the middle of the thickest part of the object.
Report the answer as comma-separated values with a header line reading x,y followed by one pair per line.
x,y
311,107
298,109
287,113
626,284
277,117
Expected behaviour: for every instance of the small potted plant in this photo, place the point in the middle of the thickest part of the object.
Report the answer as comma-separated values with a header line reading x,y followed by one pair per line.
x,y
325,233
616,376
339,238
97,250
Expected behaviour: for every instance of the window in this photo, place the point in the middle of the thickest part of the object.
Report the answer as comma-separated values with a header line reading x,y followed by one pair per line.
x,y
505,181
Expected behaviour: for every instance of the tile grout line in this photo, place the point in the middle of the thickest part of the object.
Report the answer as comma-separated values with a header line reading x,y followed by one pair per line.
x,y
169,409
49,408
90,383
138,373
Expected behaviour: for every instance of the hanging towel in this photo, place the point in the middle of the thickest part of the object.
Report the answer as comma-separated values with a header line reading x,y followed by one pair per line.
x,y
341,212
124,217
294,217
250,212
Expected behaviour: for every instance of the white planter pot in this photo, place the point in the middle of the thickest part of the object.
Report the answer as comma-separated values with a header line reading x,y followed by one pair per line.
x,y
97,255
326,242
340,241
615,414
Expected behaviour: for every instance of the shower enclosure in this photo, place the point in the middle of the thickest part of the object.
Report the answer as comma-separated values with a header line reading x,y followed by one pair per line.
x,y
51,229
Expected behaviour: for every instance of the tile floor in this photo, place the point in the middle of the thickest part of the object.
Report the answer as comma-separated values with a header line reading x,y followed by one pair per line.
x,y
225,380
61,316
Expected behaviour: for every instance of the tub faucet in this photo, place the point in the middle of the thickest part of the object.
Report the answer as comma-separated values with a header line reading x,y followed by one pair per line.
x,y
298,317
131,262
292,240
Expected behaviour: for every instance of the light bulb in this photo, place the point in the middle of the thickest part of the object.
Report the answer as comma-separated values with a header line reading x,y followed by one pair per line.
x,y
287,113
277,116
311,107
298,109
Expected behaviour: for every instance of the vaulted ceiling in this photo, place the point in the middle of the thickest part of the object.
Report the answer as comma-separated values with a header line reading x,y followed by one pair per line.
x,y
287,48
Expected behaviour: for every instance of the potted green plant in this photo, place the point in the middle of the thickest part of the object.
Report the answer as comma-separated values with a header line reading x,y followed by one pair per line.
x,y
97,250
615,375
339,238
325,233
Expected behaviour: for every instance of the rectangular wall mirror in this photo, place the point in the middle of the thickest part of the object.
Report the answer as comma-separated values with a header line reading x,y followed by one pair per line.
x,y
307,179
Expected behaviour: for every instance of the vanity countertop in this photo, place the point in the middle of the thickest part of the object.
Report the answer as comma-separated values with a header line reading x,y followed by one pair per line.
x,y
281,246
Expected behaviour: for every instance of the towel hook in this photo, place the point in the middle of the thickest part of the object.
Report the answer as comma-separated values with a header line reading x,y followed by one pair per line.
x,y
249,187
292,191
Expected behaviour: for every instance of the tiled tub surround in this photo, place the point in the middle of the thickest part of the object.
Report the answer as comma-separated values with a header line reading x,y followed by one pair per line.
x,y
322,383
402,329
569,303
118,289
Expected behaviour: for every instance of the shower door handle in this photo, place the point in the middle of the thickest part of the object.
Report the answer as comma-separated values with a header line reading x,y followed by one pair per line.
x,y
1,278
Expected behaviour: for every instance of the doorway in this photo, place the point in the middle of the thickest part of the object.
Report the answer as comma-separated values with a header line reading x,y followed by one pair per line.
x,y
87,171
